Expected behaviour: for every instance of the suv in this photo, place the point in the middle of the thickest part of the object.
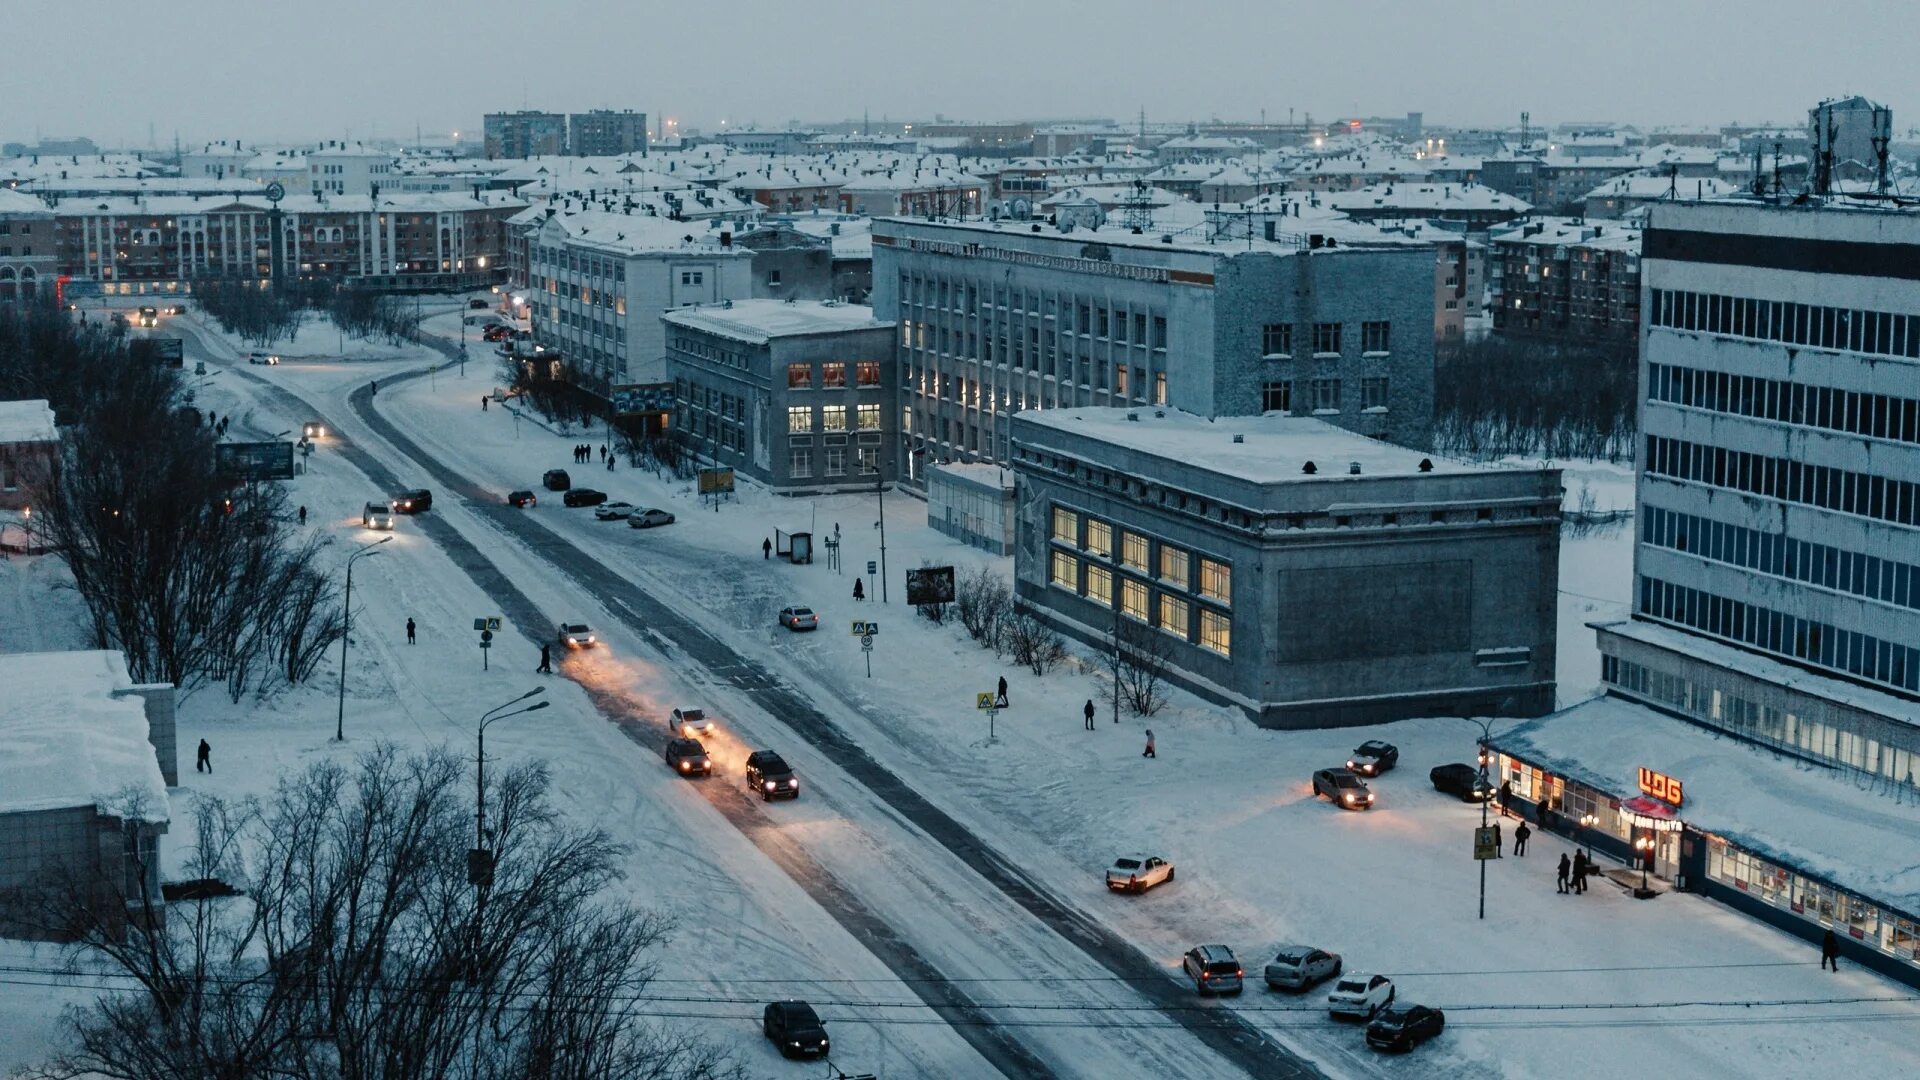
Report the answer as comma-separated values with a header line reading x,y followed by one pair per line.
x,y
1463,782
1373,757
576,636
1360,995
1343,787
688,757
376,516
556,480
690,722
770,776
414,501
795,1028
1213,969
262,358
522,498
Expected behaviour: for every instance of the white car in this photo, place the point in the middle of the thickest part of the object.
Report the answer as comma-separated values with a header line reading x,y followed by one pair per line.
x,y
262,358
377,516
576,636
688,723
649,518
1360,995
613,511
1138,873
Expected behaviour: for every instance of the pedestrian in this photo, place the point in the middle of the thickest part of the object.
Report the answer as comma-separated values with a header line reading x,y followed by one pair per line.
x,y
603,449
203,761
1566,870
1520,839
1089,714
859,590
303,515
546,661
483,403
1580,865
1148,752
1829,947
1496,841
373,387
766,548
1506,793
609,464
1000,700
410,630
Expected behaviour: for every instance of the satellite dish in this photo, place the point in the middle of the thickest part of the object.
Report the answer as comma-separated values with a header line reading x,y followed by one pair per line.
x,y
1022,208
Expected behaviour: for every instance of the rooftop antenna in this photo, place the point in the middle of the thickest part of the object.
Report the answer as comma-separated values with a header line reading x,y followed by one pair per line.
x,y
1882,136
1137,211
1526,131
1778,187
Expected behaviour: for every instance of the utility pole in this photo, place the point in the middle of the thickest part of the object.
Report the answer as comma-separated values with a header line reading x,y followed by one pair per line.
x,y
346,631
880,496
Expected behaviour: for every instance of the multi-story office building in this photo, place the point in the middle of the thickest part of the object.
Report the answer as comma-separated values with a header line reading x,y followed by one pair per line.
x,y
528,133
1566,278
347,168
996,317
28,254
796,394
607,133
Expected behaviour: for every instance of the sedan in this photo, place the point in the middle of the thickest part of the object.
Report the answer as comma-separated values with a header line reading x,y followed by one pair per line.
x,y
799,618
795,1028
1405,1028
1301,967
522,498
613,511
583,497
649,518
1373,757
687,723
1463,782
1343,787
576,636
262,358
688,758
1138,873
1360,995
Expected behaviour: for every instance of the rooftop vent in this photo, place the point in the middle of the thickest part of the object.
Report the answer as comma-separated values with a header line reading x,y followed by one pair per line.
x,y
1309,468
1134,416
1353,468
1426,464
1239,438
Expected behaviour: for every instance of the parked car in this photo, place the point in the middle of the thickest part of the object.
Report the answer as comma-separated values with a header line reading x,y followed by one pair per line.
x,y
649,518
690,722
688,758
1301,967
413,501
1343,787
583,497
1360,995
795,1028
1463,782
576,636
262,358
495,333
1138,873
177,308
1405,1028
1373,757
522,498
613,511
556,480
313,429
1213,969
478,305
770,775
799,618
377,515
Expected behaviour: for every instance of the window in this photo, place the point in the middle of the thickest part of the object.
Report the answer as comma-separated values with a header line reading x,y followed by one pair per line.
x,y
833,375
1066,526
1173,615
1216,632
836,461
1216,581
1173,565
867,458
1100,585
800,418
773,278
1133,551
692,277
1133,599
1159,331
835,417
1326,337
1064,571
1159,388
1099,538
800,462
1326,395
867,372
868,416
1373,393
1374,337
1276,339
799,376
1120,379
1276,396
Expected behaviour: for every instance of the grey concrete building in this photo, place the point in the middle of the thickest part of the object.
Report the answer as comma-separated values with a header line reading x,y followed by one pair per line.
x,y
789,264
523,134
996,317
606,133
798,395
1372,586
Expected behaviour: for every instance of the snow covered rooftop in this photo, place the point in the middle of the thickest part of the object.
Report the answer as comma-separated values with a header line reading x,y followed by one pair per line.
x,y
65,740
27,421
760,321
1428,198
1557,231
1813,818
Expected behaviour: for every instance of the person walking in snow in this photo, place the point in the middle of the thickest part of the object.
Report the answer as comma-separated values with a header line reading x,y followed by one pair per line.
x,y
1089,714
1580,868
1000,700
766,549
303,515
546,661
373,387
483,403
609,464
1496,841
603,450
1520,839
410,630
1566,870
1148,752
203,761
1829,949
859,590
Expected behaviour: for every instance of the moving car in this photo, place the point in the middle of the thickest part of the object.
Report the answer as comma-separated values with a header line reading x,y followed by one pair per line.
x,y
799,618
1463,782
178,308
313,429
688,758
795,1028
480,305
1405,1028
1300,967
494,333
690,722
413,501
769,774
613,511
1138,873
1213,969
1373,757
1360,995
556,480
262,358
583,497
1343,787
649,518
149,316
377,515
576,636
522,498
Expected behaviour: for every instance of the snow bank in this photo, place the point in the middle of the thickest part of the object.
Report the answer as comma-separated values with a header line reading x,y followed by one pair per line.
x,y
65,740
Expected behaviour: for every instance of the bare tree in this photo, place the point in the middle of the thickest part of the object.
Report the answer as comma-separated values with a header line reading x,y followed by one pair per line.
x,y
1033,643
1523,395
982,602
1143,656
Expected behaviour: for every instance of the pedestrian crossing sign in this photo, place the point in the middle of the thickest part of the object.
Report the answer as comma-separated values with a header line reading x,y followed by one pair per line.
x,y
984,701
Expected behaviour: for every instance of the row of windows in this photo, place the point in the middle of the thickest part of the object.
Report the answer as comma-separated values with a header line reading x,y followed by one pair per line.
x,y
1324,395
1846,329
1829,488
931,383
1816,564
834,460
1276,339
800,418
1877,415
1173,565
1118,325
833,374
1858,917
1036,354
1882,662
1169,612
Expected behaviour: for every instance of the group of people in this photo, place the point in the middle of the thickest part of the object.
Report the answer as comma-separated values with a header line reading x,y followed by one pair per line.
x,y
583,454
1574,871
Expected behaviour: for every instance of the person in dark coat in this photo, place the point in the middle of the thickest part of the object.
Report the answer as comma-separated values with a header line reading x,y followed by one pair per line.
x,y
766,549
1506,793
1148,752
203,761
1001,698
1566,871
373,387
603,451
859,590
410,630
1497,842
1089,714
1520,839
1580,868
609,464
1829,947
483,403
546,661
303,515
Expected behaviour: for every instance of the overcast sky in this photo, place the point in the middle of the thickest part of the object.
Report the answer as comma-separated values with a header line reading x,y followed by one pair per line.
x,y
279,70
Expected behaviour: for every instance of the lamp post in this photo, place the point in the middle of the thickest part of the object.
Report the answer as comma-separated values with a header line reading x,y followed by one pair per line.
x,y
1486,796
480,762
1643,851
346,629
1587,822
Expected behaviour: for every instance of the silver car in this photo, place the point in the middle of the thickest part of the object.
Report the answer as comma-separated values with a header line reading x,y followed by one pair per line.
x,y
1299,967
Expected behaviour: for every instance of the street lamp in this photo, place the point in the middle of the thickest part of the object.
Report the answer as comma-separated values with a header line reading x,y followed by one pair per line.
x,y
1486,795
480,866
1587,822
346,629
1643,851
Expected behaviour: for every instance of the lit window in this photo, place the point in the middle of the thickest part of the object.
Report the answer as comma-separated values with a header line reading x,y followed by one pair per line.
x,y
1066,526
1173,565
799,376
1216,632
1173,616
1065,571
1100,585
800,418
1133,599
834,417
1100,538
868,416
1159,388
1216,581
1133,552
833,375
1120,379
867,372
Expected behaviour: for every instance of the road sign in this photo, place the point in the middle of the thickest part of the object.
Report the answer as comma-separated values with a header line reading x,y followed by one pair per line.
x,y
865,629
486,637
479,624
985,701
866,642
872,567
1486,842
494,622
485,644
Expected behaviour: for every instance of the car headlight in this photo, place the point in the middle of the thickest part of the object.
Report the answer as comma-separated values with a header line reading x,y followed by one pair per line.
x,y
1348,796
769,785
683,766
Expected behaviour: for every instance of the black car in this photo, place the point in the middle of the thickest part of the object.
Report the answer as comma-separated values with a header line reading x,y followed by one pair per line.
x,y
522,498
795,1028
1373,757
1405,1027
583,497
412,502
770,776
478,305
1463,782
688,758
557,480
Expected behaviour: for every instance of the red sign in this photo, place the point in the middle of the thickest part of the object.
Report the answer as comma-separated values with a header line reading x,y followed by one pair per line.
x,y
1660,786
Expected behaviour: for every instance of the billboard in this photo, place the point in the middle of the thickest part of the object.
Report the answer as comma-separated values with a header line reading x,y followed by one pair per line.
x,y
930,585
635,398
716,481
254,460
160,350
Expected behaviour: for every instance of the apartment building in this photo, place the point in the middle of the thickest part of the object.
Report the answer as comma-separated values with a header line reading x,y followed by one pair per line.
x,y
606,133
1566,278
524,134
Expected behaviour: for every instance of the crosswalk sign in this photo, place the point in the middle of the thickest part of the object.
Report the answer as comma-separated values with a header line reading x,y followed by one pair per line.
x,y
983,701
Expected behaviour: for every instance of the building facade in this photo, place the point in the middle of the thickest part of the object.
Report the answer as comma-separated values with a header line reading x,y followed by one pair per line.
x,y
29,449
607,133
1566,278
29,259
524,134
